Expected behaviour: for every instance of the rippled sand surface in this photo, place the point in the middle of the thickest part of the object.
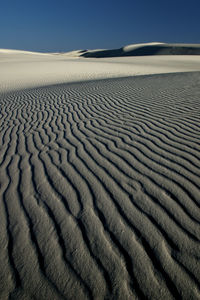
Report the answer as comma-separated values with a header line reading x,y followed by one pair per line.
x,y
100,189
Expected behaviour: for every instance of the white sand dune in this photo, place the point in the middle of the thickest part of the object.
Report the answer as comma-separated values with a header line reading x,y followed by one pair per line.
x,y
20,69
99,180
145,49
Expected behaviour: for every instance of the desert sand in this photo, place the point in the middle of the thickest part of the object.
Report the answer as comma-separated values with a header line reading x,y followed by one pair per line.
x,y
99,176
22,69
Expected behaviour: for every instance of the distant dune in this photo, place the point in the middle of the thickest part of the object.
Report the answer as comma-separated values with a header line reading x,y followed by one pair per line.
x,y
25,69
99,179
146,49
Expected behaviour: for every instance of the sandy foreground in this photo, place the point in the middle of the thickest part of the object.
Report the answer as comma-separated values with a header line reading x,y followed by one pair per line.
x,y
99,177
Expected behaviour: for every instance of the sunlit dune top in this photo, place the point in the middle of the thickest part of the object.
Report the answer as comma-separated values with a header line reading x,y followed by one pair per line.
x,y
136,46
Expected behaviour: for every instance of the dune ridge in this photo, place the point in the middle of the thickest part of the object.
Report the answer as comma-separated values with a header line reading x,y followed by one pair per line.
x,y
145,49
99,189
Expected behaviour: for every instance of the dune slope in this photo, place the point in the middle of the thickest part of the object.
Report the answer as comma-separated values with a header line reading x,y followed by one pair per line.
x,y
21,69
145,49
99,189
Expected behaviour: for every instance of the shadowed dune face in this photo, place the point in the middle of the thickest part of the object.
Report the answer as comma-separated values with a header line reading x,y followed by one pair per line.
x,y
99,190
144,50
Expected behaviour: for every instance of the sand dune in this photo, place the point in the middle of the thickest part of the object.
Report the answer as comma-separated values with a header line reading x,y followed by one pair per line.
x,y
99,179
21,70
146,49
99,187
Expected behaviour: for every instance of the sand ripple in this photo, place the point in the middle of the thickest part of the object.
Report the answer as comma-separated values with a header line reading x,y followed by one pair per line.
x,y
100,190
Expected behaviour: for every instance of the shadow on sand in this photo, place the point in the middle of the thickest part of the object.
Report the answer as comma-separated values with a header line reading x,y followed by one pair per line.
x,y
162,49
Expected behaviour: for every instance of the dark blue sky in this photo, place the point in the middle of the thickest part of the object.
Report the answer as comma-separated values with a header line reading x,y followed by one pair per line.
x,y
63,25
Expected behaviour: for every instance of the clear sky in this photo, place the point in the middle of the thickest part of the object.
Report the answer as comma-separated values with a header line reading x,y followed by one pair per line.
x,y
62,25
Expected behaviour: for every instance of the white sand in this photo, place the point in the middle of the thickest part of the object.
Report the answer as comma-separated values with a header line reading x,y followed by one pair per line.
x,y
99,180
20,69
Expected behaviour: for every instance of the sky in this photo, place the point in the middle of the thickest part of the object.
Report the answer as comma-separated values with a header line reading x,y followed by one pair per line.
x,y
62,25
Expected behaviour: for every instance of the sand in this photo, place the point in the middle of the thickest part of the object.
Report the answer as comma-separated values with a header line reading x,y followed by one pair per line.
x,y
145,49
21,70
99,179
